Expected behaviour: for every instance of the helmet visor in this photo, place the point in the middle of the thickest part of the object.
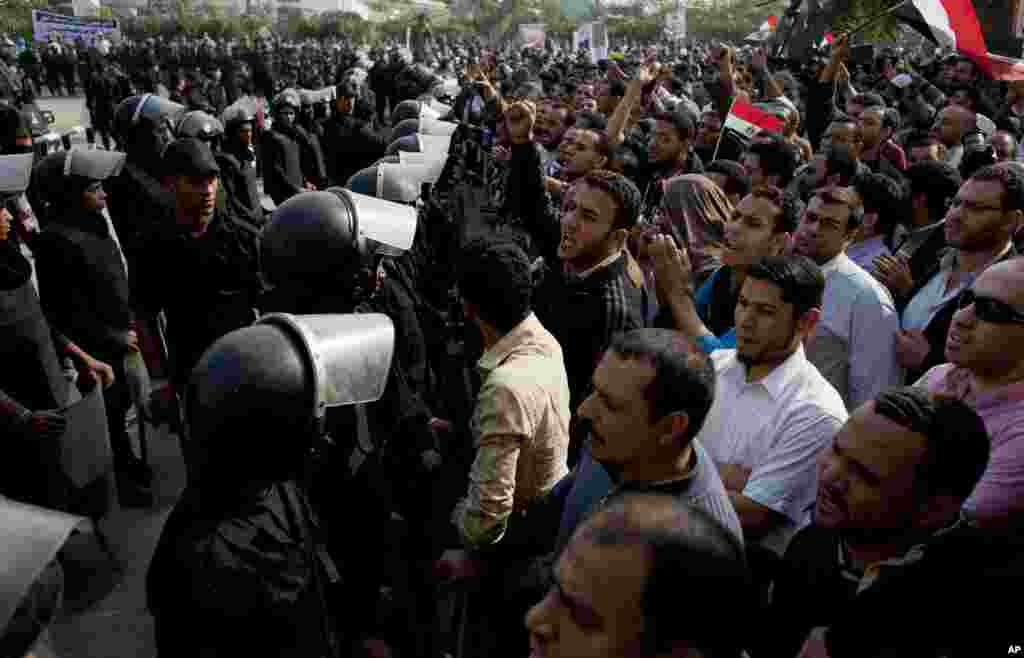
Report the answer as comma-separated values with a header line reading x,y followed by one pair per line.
x,y
351,354
93,164
385,228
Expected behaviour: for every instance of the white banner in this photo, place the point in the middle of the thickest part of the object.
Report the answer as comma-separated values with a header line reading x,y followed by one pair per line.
x,y
582,37
71,28
532,36
677,21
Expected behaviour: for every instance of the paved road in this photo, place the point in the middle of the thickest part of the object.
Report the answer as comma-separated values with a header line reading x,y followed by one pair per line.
x,y
68,111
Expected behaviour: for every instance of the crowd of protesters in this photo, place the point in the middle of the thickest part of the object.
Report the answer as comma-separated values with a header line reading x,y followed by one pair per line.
x,y
659,389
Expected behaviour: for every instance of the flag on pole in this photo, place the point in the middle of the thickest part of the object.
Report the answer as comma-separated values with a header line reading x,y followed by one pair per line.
x,y
743,123
954,24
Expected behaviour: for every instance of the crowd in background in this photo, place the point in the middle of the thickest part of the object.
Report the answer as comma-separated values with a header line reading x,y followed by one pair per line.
x,y
660,386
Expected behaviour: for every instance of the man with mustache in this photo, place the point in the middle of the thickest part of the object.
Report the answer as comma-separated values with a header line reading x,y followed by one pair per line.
x,y
584,299
985,347
773,411
887,534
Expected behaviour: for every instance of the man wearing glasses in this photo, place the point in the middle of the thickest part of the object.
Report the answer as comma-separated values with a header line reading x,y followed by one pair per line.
x,y
985,347
979,226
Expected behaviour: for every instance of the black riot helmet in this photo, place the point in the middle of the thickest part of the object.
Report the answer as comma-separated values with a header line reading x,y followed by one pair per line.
x,y
407,109
404,128
394,181
61,177
316,237
258,395
145,123
201,126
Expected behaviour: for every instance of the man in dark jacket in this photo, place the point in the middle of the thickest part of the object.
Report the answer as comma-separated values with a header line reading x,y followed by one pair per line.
x,y
87,296
585,298
138,202
349,142
890,489
281,152
237,161
979,227
215,258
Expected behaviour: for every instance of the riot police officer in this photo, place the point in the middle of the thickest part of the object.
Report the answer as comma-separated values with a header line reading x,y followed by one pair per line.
x,y
87,296
323,252
202,268
143,126
237,160
350,143
281,151
240,568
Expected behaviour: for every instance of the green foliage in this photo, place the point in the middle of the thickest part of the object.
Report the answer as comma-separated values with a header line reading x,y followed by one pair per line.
x,y
852,14
16,15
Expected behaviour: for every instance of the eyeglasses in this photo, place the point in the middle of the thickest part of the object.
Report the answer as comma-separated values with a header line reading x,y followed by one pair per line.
x,y
971,206
990,310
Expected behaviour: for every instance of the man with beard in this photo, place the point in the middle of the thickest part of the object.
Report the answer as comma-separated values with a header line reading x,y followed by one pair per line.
x,y
553,120
585,299
668,155
979,225
216,257
887,537
281,152
773,411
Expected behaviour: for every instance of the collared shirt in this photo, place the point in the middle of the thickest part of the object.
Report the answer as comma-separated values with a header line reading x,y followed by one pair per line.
x,y
854,342
999,495
521,425
871,573
865,252
604,263
937,293
701,487
775,426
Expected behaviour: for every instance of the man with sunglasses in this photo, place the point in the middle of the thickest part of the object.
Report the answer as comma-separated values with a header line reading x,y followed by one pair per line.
x,y
979,227
985,347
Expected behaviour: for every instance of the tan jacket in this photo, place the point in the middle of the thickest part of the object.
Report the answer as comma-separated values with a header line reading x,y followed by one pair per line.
x,y
521,424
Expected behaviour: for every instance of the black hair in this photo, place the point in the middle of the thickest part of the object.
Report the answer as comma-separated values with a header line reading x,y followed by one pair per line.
x,y
616,88
777,158
868,99
840,196
790,207
800,280
840,161
495,276
684,379
937,180
623,191
587,120
737,180
884,196
958,444
687,550
682,121
1012,182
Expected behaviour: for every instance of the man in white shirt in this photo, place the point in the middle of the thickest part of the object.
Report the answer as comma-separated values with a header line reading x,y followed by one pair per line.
x,y
773,410
854,342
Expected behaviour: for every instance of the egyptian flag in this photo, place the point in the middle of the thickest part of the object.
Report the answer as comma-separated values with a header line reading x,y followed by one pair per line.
x,y
954,24
764,32
826,40
743,123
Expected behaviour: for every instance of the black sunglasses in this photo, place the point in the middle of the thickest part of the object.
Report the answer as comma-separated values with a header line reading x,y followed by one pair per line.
x,y
990,310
